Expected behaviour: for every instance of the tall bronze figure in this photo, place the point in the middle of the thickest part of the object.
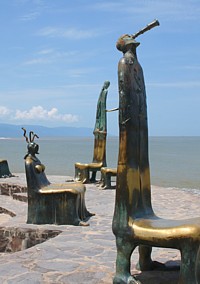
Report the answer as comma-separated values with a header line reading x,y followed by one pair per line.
x,y
134,221
82,170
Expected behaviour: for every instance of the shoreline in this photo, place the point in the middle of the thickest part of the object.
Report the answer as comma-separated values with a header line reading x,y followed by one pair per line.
x,y
173,161
21,179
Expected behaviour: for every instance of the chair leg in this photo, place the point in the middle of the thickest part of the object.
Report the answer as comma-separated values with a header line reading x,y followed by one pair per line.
x,y
83,213
107,181
93,177
124,251
145,262
102,184
82,175
197,267
189,264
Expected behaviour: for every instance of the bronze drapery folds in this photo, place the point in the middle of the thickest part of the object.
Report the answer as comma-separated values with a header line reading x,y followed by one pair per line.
x,y
134,221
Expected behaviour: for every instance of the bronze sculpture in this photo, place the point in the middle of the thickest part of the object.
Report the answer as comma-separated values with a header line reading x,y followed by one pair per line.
x,y
48,203
134,221
106,174
82,171
4,169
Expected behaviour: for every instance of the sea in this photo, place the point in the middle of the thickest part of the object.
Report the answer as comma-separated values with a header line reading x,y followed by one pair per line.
x,y
174,161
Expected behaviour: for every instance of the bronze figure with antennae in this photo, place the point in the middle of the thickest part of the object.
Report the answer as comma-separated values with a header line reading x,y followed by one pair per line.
x,y
48,203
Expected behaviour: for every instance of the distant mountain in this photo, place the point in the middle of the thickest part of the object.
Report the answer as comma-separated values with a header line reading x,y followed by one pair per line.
x,y
15,131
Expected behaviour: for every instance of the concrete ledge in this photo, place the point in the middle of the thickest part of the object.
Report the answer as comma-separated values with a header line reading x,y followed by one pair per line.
x,y
20,196
10,189
14,239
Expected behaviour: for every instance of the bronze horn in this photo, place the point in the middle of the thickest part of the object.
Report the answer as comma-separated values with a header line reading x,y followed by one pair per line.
x,y
113,109
147,28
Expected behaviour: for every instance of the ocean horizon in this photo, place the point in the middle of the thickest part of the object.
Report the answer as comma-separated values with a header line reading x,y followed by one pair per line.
x,y
174,161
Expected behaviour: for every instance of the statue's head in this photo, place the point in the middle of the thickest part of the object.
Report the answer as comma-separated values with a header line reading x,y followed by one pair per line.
x,y
106,84
124,41
32,147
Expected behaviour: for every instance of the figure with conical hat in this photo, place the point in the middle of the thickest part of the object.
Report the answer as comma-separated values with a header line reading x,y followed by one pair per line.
x,y
134,221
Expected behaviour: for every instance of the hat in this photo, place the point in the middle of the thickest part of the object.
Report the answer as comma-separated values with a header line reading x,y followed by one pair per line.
x,y
124,40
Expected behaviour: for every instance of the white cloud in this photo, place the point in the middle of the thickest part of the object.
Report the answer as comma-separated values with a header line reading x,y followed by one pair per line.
x,y
48,56
46,51
191,67
37,61
78,72
30,17
171,9
70,33
4,111
107,6
182,84
39,113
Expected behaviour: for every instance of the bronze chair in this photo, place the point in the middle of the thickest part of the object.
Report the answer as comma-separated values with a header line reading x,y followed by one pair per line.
x,y
106,174
82,171
134,221
4,169
49,203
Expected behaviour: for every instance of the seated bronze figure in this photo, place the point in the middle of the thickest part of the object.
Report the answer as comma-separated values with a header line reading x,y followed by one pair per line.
x,y
134,221
82,171
48,203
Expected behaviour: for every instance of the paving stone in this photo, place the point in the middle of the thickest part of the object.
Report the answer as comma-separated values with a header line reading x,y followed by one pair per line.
x,y
81,255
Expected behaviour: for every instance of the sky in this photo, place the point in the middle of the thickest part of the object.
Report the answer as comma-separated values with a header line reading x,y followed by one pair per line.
x,y
56,54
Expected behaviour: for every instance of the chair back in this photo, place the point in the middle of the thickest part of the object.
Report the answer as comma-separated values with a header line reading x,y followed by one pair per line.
x,y
133,188
100,129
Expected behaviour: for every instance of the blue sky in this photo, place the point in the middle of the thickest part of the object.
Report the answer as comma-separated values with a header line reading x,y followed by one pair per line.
x,y
56,54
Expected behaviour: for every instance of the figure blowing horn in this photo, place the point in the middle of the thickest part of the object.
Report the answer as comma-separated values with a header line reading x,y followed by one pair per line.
x,y
147,28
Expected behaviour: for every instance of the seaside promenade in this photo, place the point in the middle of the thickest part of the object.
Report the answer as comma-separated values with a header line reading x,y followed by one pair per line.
x,y
80,255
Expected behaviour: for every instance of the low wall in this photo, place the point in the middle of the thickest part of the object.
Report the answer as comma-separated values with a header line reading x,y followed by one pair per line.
x,y
16,239
10,189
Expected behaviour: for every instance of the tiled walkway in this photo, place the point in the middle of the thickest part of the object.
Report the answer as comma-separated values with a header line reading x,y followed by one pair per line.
x,y
81,255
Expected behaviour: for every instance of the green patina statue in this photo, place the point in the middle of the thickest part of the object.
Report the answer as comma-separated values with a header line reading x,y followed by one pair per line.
x,y
49,203
134,221
82,171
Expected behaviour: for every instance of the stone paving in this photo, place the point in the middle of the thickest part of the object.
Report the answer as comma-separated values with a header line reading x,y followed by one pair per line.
x,y
81,255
